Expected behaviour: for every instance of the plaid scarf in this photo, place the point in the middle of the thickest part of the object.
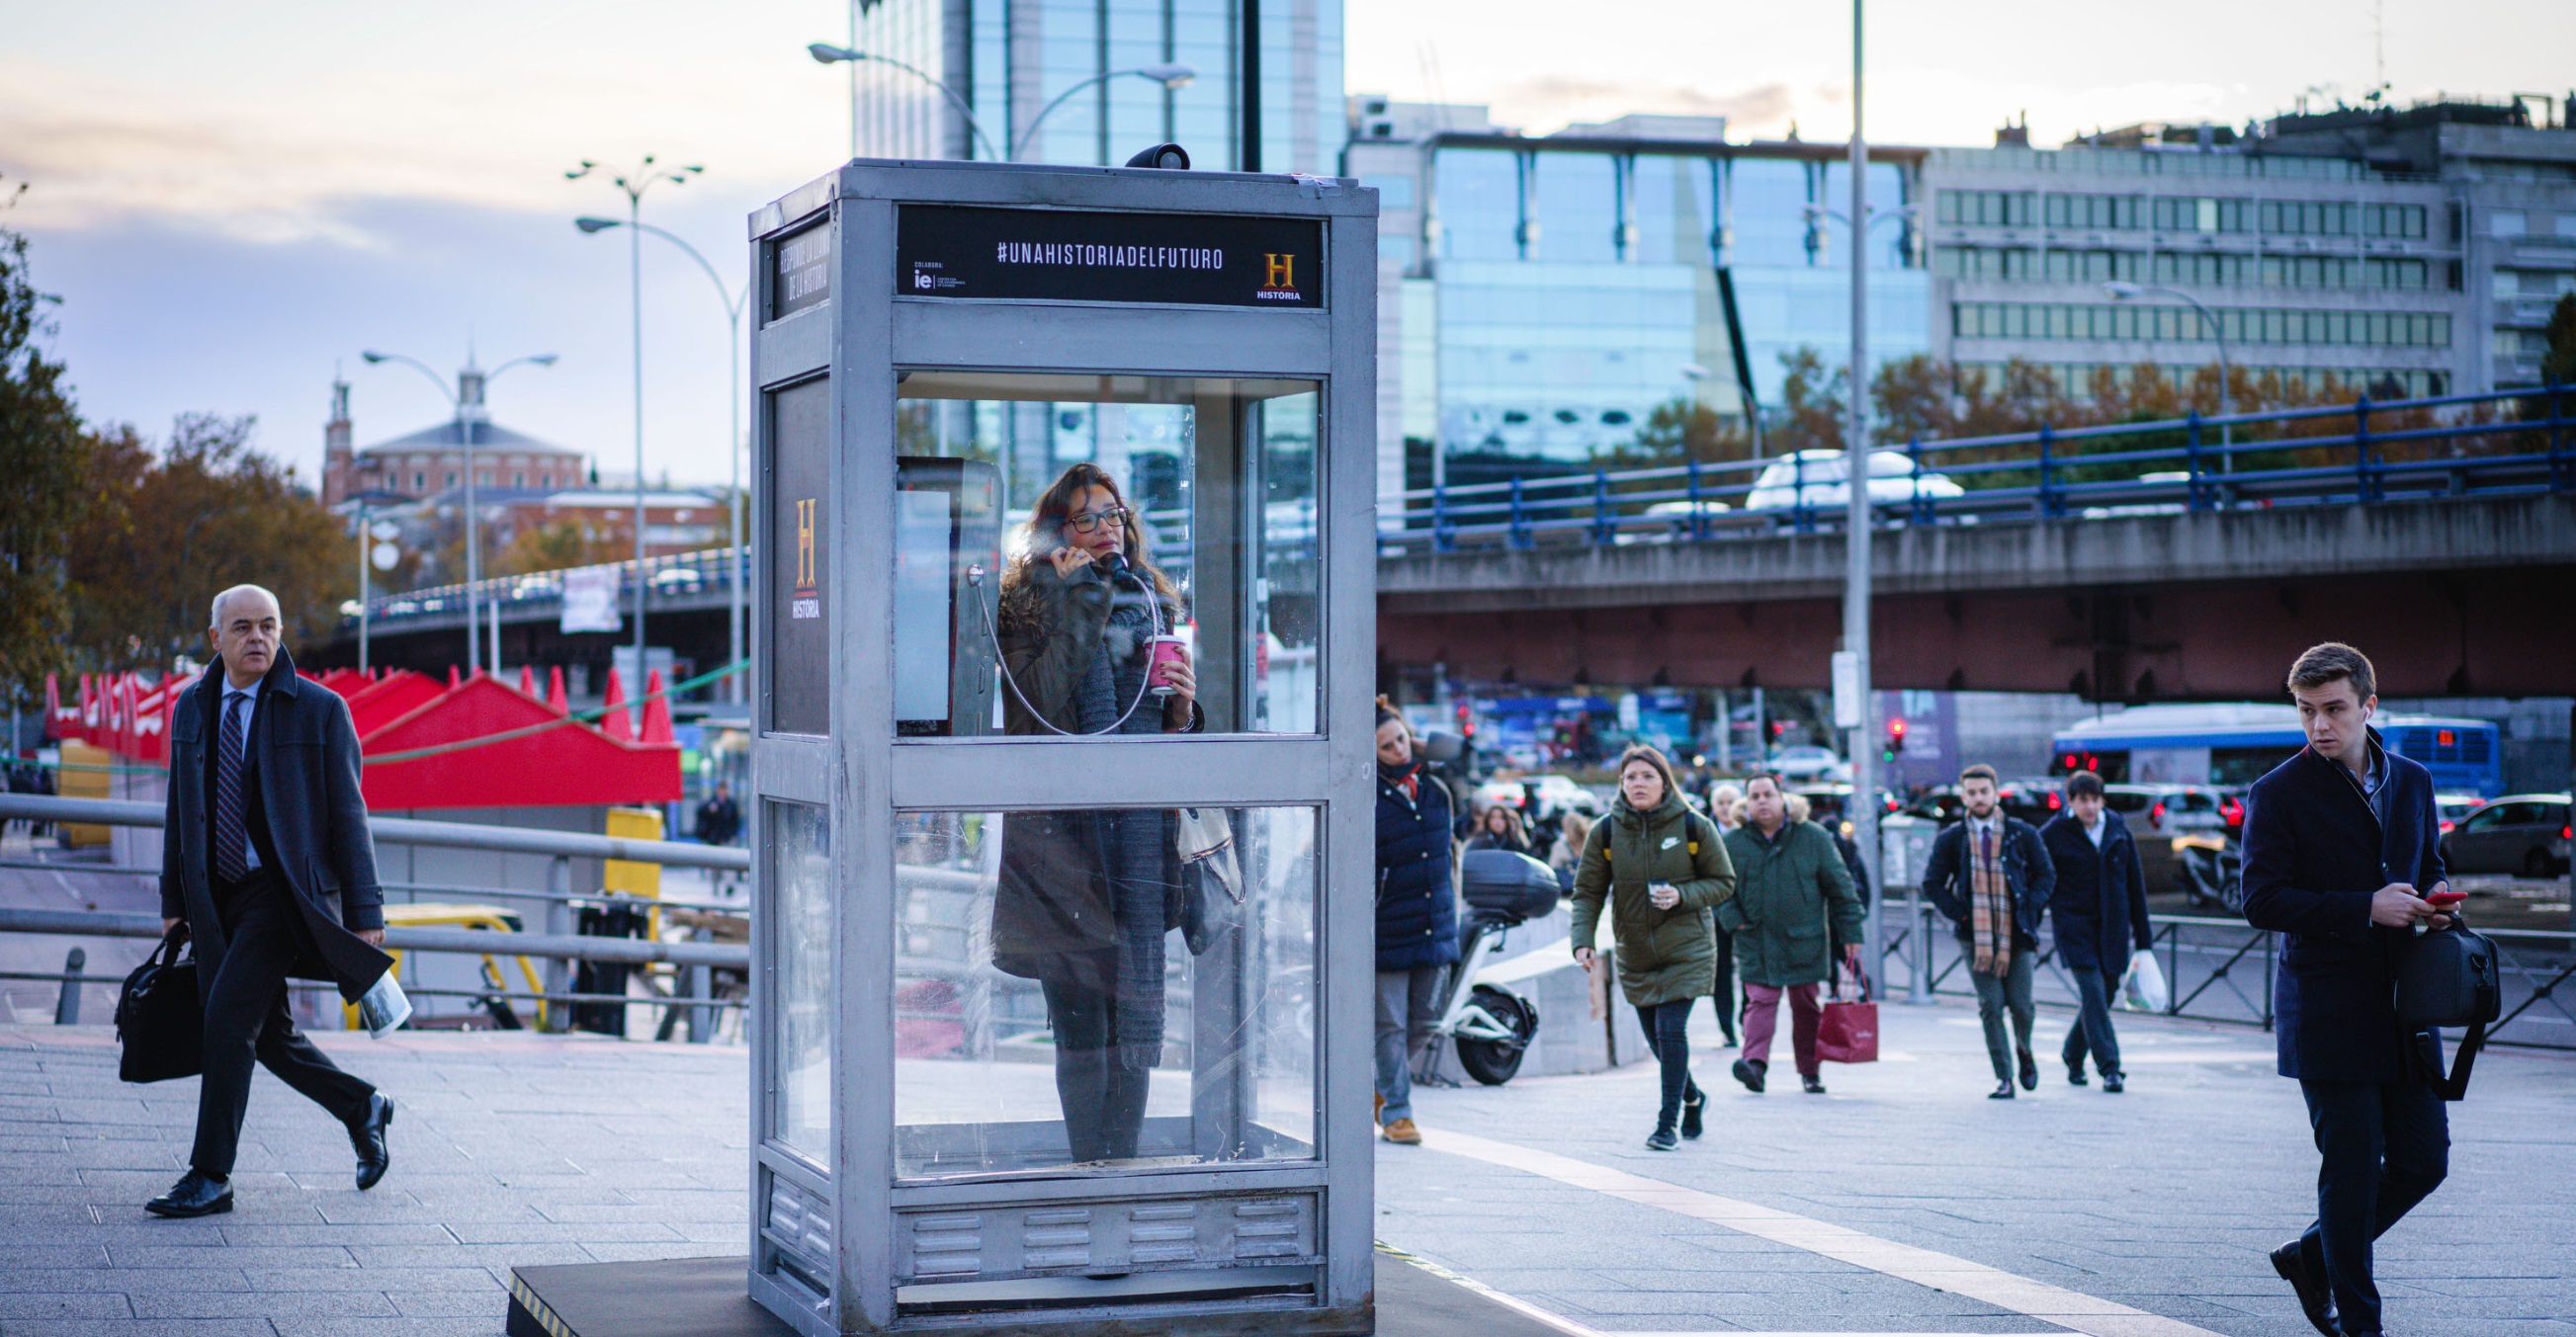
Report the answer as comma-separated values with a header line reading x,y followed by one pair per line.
x,y
1990,904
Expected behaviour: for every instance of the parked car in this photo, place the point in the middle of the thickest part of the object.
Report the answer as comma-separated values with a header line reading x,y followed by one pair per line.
x,y
2156,814
1673,520
2452,807
1553,794
1817,479
1808,762
1507,793
2523,834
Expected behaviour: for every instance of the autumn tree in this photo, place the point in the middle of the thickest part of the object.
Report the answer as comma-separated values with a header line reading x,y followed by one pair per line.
x,y
2558,365
567,542
205,512
44,456
1813,403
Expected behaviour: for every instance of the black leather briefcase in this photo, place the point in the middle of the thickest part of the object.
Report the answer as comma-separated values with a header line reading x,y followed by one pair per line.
x,y
2449,977
160,1019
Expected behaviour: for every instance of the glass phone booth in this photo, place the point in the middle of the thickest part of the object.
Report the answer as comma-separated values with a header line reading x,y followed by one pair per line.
x,y
1063,767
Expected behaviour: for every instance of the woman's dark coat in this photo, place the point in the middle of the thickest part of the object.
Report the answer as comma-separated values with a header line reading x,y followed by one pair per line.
x,y
1793,899
1664,956
2315,853
1084,897
1417,899
2100,906
305,752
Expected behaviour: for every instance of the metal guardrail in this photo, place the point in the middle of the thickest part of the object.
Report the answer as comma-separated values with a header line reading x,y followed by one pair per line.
x,y
2223,970
413,831
694,961
2419,450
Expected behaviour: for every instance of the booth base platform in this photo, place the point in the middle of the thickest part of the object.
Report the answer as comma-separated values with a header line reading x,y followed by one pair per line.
x,y
705,1297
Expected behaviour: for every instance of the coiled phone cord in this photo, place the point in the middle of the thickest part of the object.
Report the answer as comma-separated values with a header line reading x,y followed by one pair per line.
x,y
975,581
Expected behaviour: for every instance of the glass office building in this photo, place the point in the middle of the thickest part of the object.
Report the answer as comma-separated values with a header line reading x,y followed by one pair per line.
x,y
1540,297
1010,61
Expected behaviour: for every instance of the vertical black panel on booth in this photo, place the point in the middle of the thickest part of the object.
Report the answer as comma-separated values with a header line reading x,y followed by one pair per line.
x,y
800,469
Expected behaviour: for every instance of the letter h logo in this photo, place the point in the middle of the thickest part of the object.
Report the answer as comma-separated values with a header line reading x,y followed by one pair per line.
x,y
1281,270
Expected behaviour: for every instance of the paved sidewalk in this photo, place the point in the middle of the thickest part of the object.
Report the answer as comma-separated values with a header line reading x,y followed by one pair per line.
x,y
1889,1206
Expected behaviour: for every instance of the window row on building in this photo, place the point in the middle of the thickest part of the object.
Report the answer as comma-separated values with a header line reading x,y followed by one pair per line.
x,y
2240,325
2023,264
2075,379
2133,213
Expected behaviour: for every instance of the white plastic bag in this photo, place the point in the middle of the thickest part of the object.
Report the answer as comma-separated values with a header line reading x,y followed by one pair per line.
x,y
2144,988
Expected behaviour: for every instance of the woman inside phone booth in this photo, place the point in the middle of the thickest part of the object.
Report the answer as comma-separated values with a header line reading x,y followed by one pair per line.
x,y
1086,897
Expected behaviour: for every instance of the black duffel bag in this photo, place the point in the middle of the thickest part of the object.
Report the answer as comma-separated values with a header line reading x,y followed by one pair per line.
x,y
1507,886
160,1019
2449,977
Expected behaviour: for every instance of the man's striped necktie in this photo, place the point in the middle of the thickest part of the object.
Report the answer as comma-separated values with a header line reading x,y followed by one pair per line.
x,y
232,838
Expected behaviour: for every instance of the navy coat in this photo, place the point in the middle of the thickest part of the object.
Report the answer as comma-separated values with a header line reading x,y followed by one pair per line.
x,y
1417,901
306,753
2315,854
2100,906
2027,870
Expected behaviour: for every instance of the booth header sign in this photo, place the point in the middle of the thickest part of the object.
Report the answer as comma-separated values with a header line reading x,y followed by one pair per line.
x,y
1068,256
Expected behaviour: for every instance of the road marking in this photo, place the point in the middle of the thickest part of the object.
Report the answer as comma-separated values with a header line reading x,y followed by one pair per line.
x,y
1924,1267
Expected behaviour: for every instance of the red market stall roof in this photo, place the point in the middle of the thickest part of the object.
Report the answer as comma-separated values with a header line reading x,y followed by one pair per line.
x,y
420,738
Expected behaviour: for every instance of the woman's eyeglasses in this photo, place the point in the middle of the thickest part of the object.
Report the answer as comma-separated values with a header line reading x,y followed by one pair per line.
x,y
1091,520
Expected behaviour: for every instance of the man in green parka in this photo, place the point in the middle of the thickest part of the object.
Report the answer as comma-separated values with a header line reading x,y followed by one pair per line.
x,y
1658,866
1793,900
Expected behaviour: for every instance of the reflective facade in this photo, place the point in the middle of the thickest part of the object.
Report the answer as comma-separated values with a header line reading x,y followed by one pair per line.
x,y
1540,297
1008,60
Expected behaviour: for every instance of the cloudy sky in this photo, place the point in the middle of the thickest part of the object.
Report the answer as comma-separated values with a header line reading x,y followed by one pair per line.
x,y
234,200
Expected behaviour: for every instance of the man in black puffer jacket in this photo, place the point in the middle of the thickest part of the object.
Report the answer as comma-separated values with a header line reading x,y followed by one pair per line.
x,y
1417,915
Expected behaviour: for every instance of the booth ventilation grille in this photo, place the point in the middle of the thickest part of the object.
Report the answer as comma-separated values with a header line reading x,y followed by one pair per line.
x,y
800,1228
1002,1242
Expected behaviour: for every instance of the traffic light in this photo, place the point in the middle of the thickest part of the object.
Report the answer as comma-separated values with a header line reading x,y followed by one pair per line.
x,y
1895,739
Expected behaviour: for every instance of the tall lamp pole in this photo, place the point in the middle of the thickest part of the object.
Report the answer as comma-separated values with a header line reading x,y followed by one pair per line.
x,y
2122,291
1171,77
633,185
463,404
733,303
1856,478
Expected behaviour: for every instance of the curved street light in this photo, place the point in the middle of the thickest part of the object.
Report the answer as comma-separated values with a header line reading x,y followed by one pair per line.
x,y
1172,76
634,184
2123,291
465,438
733,303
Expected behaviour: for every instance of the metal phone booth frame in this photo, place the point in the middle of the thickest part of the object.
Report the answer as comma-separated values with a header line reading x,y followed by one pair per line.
x,y
936,341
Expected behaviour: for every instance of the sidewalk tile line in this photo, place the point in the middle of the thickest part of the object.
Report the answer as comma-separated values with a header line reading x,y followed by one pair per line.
x,y
1923,1267
1512,1302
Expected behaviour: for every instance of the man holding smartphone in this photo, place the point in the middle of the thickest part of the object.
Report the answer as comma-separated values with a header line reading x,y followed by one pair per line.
x,y
2343,859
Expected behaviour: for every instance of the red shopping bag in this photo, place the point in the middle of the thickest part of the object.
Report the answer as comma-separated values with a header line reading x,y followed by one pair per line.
x,y
1847,1032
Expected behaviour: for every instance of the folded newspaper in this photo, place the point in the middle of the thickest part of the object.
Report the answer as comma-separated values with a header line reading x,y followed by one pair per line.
x,y
382,1009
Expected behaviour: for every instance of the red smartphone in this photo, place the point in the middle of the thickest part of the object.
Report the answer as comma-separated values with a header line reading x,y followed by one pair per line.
x,y
2444,900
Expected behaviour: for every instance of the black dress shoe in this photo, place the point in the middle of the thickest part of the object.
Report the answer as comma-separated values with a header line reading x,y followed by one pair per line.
x,y
1750,1074
1814,1082
2029,1071
2114,1083
2075,1075
367,1138
2315,1300
196,1194
2003,1091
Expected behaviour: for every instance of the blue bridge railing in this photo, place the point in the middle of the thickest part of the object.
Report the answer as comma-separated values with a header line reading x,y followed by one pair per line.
x,y
2504,443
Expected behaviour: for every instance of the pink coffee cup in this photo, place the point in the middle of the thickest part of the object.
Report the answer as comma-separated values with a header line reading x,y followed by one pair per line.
x,y
1168,650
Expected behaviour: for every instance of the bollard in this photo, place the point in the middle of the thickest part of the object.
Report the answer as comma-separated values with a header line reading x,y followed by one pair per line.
x,y
702,1019
67,1006
558,972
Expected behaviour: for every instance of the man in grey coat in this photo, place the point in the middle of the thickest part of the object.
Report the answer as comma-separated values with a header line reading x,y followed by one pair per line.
x,y
267,861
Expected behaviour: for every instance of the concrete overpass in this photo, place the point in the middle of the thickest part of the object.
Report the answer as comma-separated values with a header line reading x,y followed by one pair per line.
x,y
2450,597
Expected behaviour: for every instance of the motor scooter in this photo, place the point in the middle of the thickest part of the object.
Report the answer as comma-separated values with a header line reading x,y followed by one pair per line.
x,y
2211,871
1490,1026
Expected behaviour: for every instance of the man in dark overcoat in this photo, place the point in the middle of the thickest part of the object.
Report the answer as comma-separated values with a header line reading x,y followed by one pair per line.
x,y
1989,874
2099,910
267,860
2342,850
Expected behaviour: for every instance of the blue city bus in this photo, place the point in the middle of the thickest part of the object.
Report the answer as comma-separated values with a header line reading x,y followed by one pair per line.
x,y
2234,745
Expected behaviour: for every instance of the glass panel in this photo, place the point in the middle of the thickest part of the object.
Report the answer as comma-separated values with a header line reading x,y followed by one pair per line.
x,y
800,881
1072,992
1105,554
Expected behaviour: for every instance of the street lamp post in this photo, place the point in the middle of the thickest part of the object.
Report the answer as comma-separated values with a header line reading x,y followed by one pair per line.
x,y
1856,578
733,303
1170,76
463,405
633,185
2122,291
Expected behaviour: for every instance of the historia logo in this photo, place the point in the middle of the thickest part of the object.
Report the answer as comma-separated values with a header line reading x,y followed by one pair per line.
x,y
1279,277
807,601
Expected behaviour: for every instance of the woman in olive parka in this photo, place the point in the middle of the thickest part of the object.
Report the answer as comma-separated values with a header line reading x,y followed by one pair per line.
x,y
1660,867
